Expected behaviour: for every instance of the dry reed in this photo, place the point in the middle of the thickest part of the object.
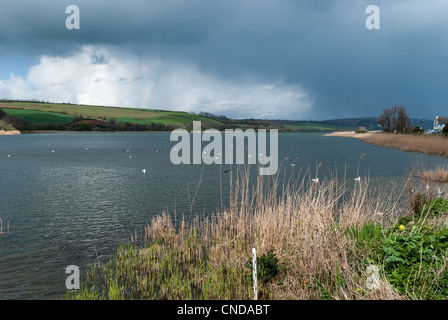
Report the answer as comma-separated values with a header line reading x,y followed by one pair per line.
x,y
304,223
439,174
428,144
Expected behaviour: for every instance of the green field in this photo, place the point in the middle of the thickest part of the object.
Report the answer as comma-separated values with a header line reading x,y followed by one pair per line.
x,y
41,113
35,117
61,113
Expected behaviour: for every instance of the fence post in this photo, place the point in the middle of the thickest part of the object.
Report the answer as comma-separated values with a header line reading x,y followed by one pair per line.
x,y
254,261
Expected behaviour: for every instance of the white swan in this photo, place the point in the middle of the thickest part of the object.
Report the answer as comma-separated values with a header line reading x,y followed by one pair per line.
x,y
144,171
358,179
315,180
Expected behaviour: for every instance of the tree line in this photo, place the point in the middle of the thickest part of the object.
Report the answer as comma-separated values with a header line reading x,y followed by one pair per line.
x,y
394,119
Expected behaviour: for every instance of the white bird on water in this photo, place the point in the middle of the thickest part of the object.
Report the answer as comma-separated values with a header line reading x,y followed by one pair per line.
x,y
358,179
315,180
144,171
9,156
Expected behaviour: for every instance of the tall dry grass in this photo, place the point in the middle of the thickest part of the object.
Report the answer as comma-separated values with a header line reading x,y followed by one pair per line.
x,y
439,174
428,144
305,224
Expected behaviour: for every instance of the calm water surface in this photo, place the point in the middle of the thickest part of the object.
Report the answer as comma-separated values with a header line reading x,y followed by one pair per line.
x,y
69,195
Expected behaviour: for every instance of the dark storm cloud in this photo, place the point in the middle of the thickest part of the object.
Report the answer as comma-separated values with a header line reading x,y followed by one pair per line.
x,y
323,46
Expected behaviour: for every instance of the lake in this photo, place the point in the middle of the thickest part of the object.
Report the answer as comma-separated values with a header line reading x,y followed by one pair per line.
x,y
71,198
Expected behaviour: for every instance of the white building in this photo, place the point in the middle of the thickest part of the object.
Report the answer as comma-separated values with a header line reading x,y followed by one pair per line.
x,y
439,122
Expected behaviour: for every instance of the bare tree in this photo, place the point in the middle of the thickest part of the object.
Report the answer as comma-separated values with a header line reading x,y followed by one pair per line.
x,y
394,119
402,119
385,119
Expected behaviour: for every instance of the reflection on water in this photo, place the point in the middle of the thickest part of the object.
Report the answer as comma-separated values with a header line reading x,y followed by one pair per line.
x,y
90,194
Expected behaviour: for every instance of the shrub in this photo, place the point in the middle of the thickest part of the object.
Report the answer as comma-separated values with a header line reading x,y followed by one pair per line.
x,y
418,203
437,207
418,130
267,266
445,130
414,262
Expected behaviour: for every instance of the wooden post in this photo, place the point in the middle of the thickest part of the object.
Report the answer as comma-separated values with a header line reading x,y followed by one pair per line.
x,y
254,261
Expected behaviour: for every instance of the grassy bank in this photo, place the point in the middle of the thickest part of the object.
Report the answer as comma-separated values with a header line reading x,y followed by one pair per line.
x,y
56,116
314,241
428,144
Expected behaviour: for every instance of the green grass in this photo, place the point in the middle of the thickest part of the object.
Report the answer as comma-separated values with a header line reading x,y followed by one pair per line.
x,y
34,117
60,113
56,113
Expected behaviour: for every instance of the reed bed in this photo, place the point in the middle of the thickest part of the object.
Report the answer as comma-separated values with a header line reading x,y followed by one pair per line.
x,y
308,226
428,144
439,174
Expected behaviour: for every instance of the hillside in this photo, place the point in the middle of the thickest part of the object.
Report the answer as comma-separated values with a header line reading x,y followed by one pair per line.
x,y
51,116
35,116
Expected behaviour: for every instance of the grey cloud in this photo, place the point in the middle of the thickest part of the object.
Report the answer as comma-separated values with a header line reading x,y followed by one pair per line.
x,y
321,46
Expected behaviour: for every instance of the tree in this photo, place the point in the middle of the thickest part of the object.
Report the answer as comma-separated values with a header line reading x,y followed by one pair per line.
x,y
418,130
384,120
445,130
402,119
394,119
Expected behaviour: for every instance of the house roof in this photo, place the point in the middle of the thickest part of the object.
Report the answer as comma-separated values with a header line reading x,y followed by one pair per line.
x,y
442,120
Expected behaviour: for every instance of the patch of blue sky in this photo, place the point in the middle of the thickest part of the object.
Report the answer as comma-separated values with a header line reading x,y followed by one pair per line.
x,y
16,64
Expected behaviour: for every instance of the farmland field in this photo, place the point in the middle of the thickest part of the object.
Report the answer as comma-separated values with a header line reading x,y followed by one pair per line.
x,y
38,116
38,113
60,113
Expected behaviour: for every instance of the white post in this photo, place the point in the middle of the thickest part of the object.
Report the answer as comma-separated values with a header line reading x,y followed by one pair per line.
x,y
254,258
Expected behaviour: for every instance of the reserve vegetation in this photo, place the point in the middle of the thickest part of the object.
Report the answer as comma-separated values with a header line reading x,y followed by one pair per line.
x,y
28,116
334,240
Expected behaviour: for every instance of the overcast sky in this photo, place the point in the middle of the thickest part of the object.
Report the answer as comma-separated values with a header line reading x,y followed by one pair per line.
x,y
277,59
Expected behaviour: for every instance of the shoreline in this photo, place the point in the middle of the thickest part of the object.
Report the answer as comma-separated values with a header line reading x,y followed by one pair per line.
x,y
9,132
350,134
86,131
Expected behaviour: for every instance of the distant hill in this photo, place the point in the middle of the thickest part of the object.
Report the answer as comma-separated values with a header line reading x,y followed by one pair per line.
x,y
372,124
425,124
369,123
38,115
